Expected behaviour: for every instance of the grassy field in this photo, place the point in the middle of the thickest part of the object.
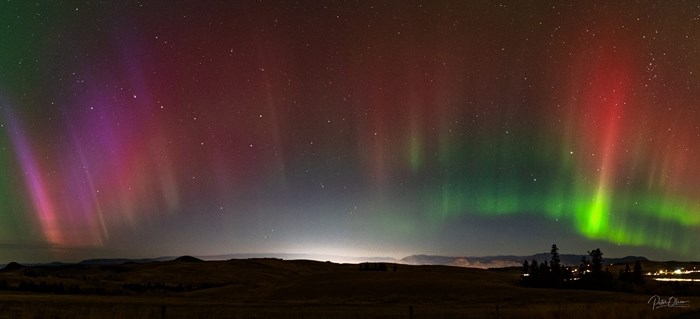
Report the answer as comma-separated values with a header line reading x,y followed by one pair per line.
x,y
269,288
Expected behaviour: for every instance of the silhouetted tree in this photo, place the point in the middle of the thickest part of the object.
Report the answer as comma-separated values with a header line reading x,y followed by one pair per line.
x,y
637,276
596,260
597,278
555,266
534,268
556,262
544,268
531,276
625,275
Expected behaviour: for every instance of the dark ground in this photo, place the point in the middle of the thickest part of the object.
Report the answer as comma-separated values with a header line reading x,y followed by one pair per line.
x,y
271,288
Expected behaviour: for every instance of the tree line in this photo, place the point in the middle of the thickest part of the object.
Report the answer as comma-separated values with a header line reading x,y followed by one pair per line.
x,y
590,274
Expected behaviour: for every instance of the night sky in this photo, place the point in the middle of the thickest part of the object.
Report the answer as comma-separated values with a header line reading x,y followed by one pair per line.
x,y
366,128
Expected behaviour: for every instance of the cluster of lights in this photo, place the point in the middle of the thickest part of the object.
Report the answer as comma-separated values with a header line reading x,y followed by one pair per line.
x,y
676,272
662,272
680,271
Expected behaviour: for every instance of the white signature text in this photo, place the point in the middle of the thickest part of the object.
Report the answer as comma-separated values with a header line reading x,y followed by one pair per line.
x,y
657,302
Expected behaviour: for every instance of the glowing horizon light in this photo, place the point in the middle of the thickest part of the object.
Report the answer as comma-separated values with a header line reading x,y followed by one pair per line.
x,y
677,279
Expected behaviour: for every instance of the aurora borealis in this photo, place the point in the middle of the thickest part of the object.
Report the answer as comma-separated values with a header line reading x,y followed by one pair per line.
x,y
361,128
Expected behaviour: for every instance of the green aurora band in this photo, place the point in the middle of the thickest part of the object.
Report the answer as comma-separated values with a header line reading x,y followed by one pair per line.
x,y
485,179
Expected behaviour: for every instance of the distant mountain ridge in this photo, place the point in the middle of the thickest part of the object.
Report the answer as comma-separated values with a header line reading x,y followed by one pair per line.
x,y
295,256
285,256
505,261
466,261
112,261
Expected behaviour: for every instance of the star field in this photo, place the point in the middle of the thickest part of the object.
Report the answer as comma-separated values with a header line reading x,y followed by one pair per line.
x,y
358,128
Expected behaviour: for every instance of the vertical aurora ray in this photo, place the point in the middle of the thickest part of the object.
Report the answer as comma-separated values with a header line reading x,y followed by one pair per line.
x,y
89,201
16,225
603,105
416,156
36,186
